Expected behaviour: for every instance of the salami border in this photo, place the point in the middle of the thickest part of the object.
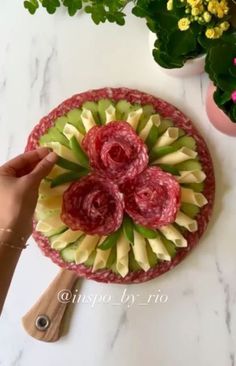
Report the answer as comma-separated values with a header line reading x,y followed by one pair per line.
x,y
180,120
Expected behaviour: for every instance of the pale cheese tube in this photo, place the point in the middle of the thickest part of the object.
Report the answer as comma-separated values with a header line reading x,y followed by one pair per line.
x,y
70,131
56,170
122,256
50,223
191,176
85,248
101,257
50,203
140,251
46,190
61,150
110,114
172,234
62,240
153,120
177,157
134,117
168,137
87,119
189,196
186,221
159,248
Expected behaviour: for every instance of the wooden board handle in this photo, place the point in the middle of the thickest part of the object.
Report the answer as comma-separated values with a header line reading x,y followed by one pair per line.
x,y
43,321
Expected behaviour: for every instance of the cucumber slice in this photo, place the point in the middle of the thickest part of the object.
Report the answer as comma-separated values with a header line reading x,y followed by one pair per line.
x,y
152,258
189,209
169,169
93,107
158,152
197,187
128,229
186,141
146,232
169,246
103,104
152,137
54,135
74,118
68,177
79,152
111,262
68,253
133,265
67,164
61,122
110,241
89,262
165,123
148,110
122,109
192,164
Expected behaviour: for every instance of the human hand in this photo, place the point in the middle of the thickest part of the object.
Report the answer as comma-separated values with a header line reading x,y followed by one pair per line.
x,y
19,182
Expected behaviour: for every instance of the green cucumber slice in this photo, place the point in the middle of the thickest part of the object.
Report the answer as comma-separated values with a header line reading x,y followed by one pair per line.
x,y
68,253
79,152
128,229
74,118
165,123
68,177
93,107
122,110
192,164
89,262
197,187
152,137
148,110
169,169
169,246
110,241
54,135
111,262
67,164
133,265
186,141
152,258
61,122
158,152
146,232
57,231
103,104
189,209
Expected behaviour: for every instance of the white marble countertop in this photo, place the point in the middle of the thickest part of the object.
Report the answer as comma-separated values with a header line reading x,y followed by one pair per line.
x,y
43,60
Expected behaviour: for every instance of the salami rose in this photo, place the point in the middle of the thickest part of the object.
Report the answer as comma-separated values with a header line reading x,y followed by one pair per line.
x,y
93,205
116,151
152,199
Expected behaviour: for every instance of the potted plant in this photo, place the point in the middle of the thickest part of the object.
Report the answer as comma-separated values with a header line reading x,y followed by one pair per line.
x,y
221,96
184,29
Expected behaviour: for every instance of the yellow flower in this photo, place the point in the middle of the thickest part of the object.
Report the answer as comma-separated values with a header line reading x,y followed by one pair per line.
x,y
197,10
194,3
207,17
218,32
183,24
225,26
210,33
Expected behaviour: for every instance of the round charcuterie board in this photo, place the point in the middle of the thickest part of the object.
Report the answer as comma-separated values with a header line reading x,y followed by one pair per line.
x,y
133,188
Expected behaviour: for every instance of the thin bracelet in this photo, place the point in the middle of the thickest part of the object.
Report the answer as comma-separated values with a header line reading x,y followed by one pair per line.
x,y
10,245
7,230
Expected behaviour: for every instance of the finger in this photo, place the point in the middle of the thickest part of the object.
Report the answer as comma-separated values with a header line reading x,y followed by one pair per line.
x,y
23,163
43,168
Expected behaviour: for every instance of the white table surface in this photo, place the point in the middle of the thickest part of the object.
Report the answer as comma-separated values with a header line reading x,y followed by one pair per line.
x,y
43,60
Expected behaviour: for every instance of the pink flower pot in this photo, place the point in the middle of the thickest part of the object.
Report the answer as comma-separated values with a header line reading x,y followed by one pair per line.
x,y
216,116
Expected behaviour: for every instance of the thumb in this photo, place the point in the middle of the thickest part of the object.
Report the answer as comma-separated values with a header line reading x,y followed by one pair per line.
x,y
44,167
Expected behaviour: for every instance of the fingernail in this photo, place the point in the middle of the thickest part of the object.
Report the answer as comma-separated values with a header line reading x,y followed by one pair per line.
x,y
52,157
43,151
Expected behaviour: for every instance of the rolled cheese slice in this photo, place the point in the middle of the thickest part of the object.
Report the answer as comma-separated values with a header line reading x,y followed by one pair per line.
x,y
171,134
189,196
177,157
172,234
56,170
191,176
101,257
153,120
122,256
186,221
69,131
140,251
46,190
134,117
110,114
87,119
50,203
62,151
62,240
85,248
50,224
159,248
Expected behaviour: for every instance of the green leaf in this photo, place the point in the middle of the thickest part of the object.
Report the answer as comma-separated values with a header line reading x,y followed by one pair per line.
x,y
110,241
128,229
67,164
146,232
181,43
68,177
31,6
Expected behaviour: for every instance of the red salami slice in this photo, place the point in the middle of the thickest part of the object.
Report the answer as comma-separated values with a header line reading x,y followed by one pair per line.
x,y
166,110
152,199
116,151
93,205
